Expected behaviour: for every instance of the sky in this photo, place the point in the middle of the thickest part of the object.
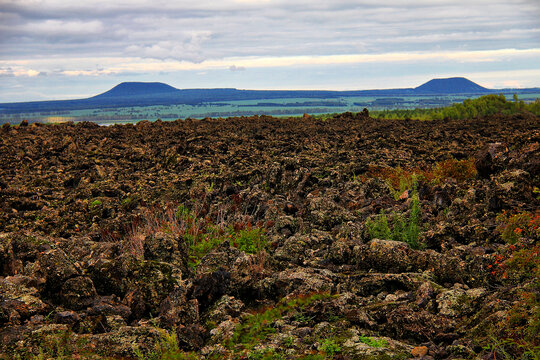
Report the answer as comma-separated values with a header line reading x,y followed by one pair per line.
x,y
61,49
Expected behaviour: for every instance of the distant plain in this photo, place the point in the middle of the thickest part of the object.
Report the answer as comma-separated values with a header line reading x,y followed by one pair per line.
x,y
274,107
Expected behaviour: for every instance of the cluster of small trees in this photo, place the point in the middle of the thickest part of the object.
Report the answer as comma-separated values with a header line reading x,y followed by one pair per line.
x,y
470,108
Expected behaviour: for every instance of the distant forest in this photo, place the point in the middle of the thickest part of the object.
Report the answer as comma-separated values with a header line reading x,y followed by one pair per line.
x,y
471,108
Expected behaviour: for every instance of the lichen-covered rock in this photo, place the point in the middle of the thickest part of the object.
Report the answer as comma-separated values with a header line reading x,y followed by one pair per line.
x,y
297,281
112,276
395,257
385,254
19,249
149,283
366,284
363,346
77,293
424,294
56,267
405,322
225,308
115,322
9,264
419,351
18,303
127,341
302,248
224,256
109,306
209,287
458,301
285,226
223,331
292,250
176,309
68,317
167,248
191,336
341,250
324,213
490,159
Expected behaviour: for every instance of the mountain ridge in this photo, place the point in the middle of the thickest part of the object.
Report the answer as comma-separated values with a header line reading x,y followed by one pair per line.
x,y
452,85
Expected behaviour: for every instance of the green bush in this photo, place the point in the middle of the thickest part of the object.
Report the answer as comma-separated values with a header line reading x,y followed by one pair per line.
x,y
373,342
330,347
250,240
403,229
378,228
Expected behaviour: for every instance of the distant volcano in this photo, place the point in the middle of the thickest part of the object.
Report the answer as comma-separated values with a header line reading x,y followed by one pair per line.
x,y
137,89
455,85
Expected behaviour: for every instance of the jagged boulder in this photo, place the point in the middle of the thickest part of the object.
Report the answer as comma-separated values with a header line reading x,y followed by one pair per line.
x,y
297,281
77,293
56,267
395,257
19,303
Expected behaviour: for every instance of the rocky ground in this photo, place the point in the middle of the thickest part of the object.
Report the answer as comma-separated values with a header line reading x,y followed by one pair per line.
x,y
265,238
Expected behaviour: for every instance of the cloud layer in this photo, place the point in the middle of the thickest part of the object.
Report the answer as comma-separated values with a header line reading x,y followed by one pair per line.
x,y
125,39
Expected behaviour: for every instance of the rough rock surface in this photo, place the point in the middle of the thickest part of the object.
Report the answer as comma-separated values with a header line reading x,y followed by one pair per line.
x,y
99,229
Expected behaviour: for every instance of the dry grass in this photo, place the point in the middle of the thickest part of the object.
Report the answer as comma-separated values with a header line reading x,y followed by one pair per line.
x,y
153,220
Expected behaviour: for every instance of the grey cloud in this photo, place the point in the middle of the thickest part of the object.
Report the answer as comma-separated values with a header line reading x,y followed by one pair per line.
x,y
306,27
206,29
6,72
188,48
60,30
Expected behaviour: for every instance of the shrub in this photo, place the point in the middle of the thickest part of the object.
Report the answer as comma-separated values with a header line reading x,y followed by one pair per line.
x,y
519,259
330,347
251,240
401,179
269,354
379,228
403,229
411,228
460,170
166,349
373,342
514,227
519,263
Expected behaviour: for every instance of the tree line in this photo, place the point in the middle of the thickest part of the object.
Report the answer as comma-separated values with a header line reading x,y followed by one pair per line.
x,y
469,109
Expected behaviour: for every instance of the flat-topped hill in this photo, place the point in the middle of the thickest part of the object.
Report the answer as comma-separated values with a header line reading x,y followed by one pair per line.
x,y
137,89
454,85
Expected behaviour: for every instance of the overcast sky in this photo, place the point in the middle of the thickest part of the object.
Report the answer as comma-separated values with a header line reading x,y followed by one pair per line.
x,y
59,49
